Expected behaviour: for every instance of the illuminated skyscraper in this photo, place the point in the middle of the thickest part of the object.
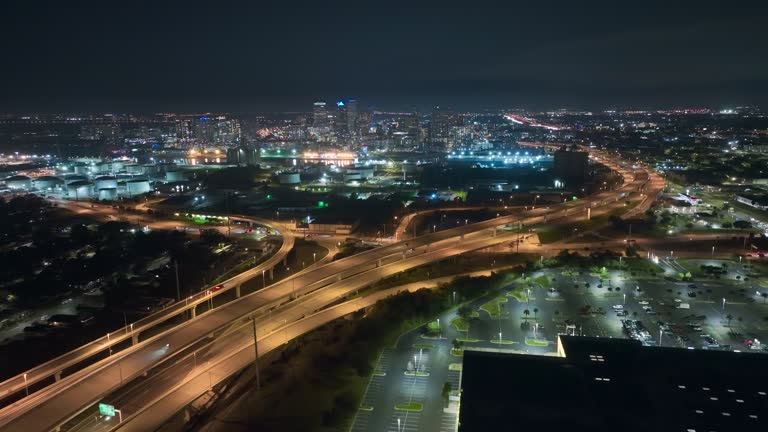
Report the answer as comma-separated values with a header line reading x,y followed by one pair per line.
x,y
439,130
353,117
320,115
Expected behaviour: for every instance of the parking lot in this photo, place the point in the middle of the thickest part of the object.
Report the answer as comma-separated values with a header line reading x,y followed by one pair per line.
x,y
702,313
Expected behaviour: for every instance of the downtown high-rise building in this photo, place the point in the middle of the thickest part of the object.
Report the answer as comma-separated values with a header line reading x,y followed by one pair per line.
x,y
440,129
319,115
353,117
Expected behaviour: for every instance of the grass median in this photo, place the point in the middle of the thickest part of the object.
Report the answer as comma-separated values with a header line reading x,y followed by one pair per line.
x,y
413,406
494,307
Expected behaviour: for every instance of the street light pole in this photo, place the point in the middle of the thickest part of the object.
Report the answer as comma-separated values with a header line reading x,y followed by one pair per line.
x,y
256,352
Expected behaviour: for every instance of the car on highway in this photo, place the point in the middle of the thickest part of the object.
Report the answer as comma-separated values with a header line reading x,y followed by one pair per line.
x,y
643,302
622,313
216,288
617,307
691,294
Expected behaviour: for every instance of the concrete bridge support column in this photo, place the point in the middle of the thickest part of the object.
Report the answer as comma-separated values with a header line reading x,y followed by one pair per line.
x,y
193,312
272,273
135,338
237,290
57,376
378,263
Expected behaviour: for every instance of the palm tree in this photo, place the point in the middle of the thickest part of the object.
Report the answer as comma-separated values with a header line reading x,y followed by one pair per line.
x,y
526,313
535,313
457,344
729,317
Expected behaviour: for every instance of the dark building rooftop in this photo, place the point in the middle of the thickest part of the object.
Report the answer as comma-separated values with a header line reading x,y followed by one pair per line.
x,y
615,384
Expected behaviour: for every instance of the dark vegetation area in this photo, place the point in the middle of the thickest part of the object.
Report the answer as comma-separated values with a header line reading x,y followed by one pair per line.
x,y
48,258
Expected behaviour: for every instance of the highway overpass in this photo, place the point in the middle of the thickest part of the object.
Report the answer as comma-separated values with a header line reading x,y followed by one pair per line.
x,y
74,393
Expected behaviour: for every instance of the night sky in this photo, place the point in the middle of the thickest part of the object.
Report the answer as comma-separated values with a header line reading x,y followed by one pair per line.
x,y
261,56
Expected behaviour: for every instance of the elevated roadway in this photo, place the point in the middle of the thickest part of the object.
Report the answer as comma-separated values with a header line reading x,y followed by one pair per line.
x,y
74,393
54,368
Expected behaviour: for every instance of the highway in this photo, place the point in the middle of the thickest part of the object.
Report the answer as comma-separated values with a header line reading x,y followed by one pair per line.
x,y
97,347
74,393
230,352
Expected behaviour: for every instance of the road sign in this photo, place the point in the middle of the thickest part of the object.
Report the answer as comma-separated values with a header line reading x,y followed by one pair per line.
x,y
107,410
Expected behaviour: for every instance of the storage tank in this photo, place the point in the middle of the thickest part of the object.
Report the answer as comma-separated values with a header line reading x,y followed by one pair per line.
x,y
105,182
82,169
74,178
109,194
134,169
175,176
117,166
289,178
19,182
78,190
47,182
103,167
150,169
137,187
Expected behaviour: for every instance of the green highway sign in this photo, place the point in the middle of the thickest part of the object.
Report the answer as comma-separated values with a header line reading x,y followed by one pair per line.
x,y
107,410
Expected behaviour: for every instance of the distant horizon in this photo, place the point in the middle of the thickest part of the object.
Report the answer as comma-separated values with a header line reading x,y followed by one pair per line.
x,y
456,110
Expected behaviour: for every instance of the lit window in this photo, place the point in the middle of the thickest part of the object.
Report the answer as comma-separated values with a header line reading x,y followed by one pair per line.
x,y
705,388
731,391
740,400
699,412
713,398
752,416
761,393
681,386
726,414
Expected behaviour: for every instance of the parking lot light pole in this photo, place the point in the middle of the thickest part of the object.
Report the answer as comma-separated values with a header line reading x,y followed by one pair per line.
x,y
723,303
625,298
